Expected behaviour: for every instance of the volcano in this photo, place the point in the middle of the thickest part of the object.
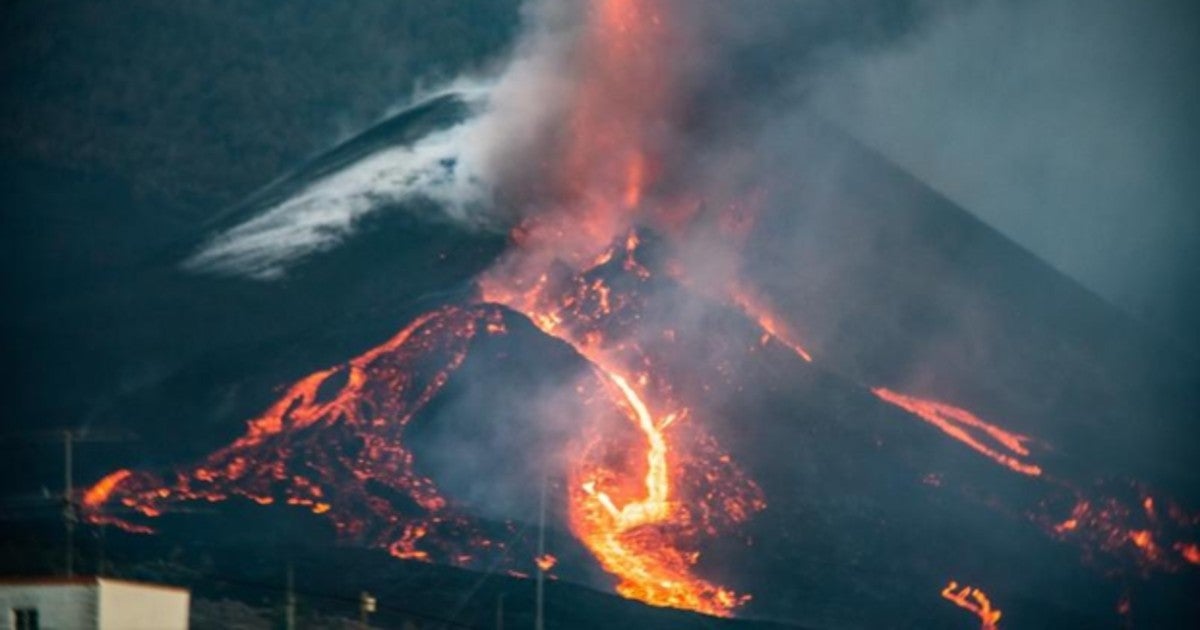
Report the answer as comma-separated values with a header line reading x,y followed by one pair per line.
x,y
881,445
833,400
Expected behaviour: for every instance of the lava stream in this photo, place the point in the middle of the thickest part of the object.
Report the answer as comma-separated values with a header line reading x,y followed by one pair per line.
x,y
334,445
958,423
658,485
632,517
974,600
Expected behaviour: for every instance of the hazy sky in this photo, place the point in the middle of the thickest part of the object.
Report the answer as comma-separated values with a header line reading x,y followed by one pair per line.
x,y
1069,126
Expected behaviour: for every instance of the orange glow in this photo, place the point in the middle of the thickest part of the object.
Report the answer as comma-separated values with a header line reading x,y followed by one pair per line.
x,y
958,423
635,517
1113,526
95,496
545,562
1144,540
633,181
1189,551
974,600
625,500
622,98
368,400
630,540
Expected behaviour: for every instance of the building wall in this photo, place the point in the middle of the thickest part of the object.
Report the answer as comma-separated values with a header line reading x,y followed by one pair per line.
x,y
70,606
134,606
88,603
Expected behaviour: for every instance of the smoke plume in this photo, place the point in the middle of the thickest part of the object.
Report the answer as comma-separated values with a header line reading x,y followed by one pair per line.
x,y
708,78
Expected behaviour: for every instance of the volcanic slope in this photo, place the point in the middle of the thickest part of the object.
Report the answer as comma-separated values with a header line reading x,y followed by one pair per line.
x,y
112,334
871,507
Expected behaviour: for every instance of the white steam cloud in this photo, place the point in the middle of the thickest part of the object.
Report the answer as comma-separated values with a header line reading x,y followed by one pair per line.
x,y
456,168
325,212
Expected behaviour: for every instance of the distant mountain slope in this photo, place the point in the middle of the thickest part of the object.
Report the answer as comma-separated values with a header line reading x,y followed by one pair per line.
x,y
898,286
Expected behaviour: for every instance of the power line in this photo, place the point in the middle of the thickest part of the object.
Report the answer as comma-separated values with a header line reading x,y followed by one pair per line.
x,y
325,596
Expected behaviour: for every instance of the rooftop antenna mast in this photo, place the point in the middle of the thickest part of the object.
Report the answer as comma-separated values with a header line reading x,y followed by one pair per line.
x,y
539,622
69,515
70,509
68,438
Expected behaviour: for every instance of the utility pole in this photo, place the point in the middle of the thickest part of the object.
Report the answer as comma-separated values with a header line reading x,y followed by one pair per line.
x,y
69,501
500,612
101,556
539,622
70,511
289,604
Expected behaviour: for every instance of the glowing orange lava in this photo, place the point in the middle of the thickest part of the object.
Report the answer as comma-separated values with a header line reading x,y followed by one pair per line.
x,y
974,600
95,496
545,562
338,429
629,540
959,423
1106,521
633,516
1189,551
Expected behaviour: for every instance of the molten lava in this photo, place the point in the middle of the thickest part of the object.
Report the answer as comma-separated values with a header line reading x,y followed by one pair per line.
x,y
545,562
334,444
967,428
1112,533
98,494
1189,551
634,541
974,600
634,515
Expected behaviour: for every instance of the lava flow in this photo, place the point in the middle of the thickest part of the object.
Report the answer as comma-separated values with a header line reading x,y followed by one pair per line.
x,y
334,444
1118,524
643,495
974,600
960,424
626,499
641,515
1103,522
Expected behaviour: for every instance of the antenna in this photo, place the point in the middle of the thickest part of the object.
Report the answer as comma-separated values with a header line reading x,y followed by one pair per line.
x,y
69,516
69,437
540,621
289,611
